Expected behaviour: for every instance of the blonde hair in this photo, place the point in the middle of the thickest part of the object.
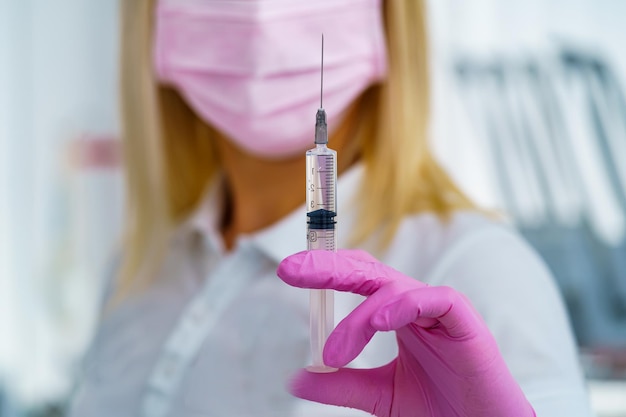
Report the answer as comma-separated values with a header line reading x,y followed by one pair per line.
x,y
170,159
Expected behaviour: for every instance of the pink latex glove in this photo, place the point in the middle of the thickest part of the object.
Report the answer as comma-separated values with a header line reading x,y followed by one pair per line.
x,y
448,362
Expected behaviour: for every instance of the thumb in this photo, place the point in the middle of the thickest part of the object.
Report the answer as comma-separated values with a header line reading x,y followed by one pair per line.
x,y
369,390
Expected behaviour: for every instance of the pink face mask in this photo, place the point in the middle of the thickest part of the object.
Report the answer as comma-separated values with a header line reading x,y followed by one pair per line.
x,y
251,68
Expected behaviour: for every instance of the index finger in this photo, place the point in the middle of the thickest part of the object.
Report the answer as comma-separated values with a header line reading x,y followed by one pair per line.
x,y
341,271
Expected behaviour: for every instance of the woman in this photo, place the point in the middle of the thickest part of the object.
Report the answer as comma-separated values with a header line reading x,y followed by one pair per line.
x,y
218,100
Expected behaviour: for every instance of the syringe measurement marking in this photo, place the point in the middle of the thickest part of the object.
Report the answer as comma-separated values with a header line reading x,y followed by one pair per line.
x,y
324,167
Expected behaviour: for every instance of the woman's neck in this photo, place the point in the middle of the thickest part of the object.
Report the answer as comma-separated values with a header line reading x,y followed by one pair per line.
x,y
259,192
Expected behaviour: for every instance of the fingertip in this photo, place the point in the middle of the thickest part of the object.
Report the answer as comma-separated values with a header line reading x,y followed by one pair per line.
x,y
312,386
289,266
333,353
334,361
296,385
284,270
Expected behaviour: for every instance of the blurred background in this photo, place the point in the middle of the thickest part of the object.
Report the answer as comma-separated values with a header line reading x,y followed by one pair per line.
x,y
529,116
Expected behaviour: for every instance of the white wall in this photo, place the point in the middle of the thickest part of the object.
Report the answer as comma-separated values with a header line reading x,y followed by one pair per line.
x,y
57,82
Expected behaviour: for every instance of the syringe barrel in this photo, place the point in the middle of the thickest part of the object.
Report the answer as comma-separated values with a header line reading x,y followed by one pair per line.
x,y
321,305
321,166
321,179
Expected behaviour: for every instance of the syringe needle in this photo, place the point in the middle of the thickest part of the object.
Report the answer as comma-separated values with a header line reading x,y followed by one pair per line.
x,y
321,131
322,75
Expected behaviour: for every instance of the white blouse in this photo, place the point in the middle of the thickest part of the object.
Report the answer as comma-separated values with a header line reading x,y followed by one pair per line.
x,y
257,334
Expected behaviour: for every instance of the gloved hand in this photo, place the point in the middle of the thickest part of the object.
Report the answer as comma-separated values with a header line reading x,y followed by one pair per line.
x,y
448,362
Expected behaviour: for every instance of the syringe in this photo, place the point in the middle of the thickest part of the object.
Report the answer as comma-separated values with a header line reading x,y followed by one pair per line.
x,y
321,201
